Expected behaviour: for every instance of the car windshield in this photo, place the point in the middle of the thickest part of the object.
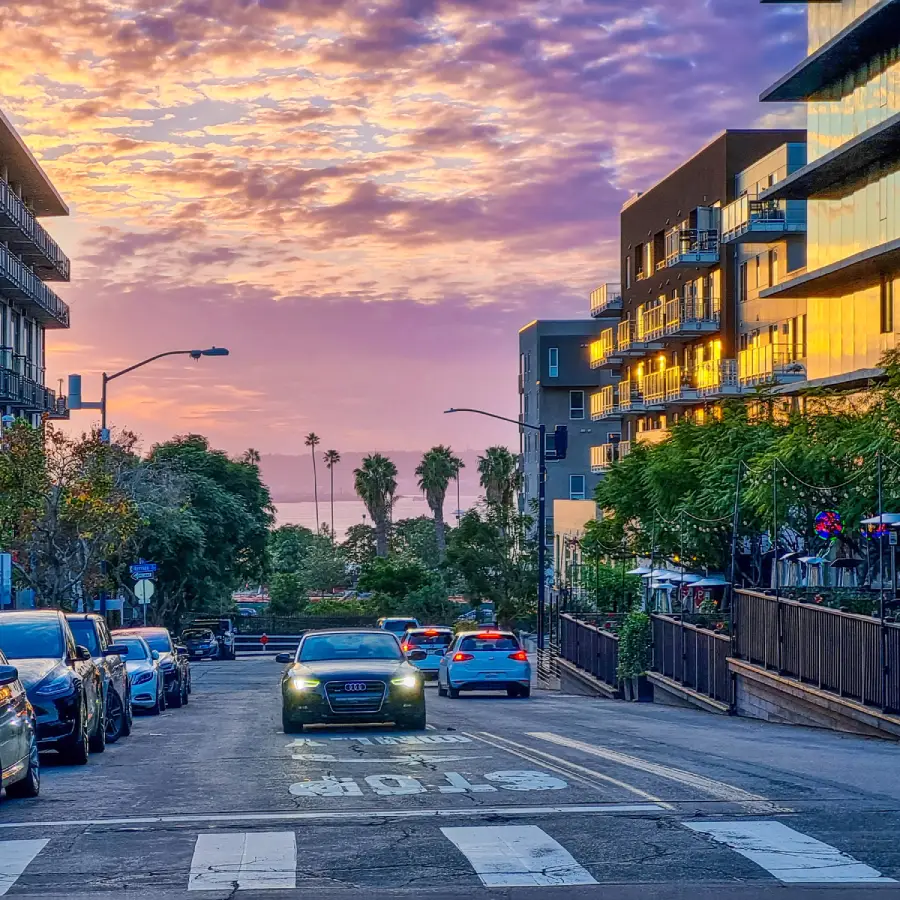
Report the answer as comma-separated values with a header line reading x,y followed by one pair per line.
x,y
136,648
30,637
324,647
85,634
159,641
490,642
198,634
424,639
398,626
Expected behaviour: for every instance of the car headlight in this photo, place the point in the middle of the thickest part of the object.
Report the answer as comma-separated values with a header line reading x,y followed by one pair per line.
x,y
56,687
304,684
406,681
143,678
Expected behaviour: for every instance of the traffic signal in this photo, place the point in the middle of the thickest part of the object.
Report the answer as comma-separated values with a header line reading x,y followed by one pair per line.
x,y
561,441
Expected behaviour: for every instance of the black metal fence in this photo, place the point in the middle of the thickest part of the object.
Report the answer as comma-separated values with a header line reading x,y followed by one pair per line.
x,y
692,656
590,648
291,625
857,657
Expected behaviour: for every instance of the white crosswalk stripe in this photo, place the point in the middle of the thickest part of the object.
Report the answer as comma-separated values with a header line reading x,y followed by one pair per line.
x,y
15,857
262,860
516,856
790,856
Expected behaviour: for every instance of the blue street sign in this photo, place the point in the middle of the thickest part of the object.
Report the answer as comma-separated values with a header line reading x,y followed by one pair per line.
x,y
142,576
142,569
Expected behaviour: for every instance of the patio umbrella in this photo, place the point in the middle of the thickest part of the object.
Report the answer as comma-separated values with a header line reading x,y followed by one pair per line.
x,y
883,519
686,578
794,554
640,570
845,562
660,573
812,560
711,581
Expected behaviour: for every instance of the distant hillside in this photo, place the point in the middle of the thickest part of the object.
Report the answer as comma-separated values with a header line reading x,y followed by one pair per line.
x,y
290,477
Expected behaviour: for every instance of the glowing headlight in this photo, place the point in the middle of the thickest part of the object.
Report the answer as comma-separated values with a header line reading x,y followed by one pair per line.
x,y
407,681
303,684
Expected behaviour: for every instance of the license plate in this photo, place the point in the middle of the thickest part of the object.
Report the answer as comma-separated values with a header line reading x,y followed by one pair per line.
x,y
435,652
493,674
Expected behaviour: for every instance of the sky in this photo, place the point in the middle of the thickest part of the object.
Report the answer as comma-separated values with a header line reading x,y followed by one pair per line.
x,y
364,200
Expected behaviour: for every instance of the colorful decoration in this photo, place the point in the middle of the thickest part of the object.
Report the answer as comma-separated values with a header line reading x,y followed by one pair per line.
x,y
873,532
829,524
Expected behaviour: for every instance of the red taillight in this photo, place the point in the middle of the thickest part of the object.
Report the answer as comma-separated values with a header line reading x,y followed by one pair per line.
x,y
489,634
462,657
519,656
431,631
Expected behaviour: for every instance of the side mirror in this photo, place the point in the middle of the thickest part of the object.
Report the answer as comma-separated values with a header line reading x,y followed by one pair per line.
x,y
116,650
82,653
154,654
284,658
182,651
8,674
416,655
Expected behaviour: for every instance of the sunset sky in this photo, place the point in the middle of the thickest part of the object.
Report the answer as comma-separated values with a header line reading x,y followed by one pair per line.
x,y
362,199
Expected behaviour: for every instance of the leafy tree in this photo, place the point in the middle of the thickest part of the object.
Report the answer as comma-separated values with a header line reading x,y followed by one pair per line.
x,y
287,594
312,441
501,479
376,484
435,471
430,604
417,537
394,576
23,481
332,458
288,546
359,545
324,567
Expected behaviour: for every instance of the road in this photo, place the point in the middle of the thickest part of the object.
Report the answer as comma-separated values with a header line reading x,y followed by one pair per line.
x,y
555,796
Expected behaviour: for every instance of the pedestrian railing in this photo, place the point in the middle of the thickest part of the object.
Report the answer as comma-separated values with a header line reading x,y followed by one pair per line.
x,y
693,657
590,648
856,657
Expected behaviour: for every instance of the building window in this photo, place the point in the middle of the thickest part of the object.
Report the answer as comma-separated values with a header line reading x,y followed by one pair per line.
x,y
550,444
628,271
887,307
553,362
743,282
576,487
576,404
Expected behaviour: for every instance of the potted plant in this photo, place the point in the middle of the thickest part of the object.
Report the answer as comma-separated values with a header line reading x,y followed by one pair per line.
x,y
635,639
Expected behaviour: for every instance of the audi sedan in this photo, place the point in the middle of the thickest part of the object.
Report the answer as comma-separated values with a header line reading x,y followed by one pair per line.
x,y
351,676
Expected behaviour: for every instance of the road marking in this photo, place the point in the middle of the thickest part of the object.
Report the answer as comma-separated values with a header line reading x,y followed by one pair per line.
x,y
755,803
556,764
790,856
376,813
394,785
517,856
264,860
14,859
410,758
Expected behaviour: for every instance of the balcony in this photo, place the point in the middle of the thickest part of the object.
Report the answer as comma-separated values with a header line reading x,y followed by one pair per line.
x,y
632,342
716,378
631,398
672,385
692,317
602,349
771,363
652,435
692,247
605,455
750,220
653,322
28,238
22,286
603,403
26,395
606,300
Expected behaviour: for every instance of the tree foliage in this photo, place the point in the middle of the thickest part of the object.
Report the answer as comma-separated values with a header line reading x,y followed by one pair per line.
x,y
437,468
376,484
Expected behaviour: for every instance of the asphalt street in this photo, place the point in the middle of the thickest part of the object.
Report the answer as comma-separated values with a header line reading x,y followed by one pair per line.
x,y
555,796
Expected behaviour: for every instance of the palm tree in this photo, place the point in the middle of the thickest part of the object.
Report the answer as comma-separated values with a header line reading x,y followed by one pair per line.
x,y
376,483
313,441
332,458
500,477
438,466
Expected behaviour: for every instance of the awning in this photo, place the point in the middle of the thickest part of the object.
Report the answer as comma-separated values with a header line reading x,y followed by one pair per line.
x,y
640,570
846,563
711,581
883,519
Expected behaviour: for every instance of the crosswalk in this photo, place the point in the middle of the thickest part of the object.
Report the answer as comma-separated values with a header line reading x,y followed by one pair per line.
x,y
498,855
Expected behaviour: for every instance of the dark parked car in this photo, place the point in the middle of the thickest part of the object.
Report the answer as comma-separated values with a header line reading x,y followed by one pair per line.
x,y
225,633
201,643
351,676
90,631
20,764
173,662
63,684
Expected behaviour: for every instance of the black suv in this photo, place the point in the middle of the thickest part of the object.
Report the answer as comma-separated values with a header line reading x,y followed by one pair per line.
x,y
90,631
63,684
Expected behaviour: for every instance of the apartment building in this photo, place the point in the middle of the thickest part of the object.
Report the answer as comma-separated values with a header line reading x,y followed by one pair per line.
x,y
850,183
555,383
29,259
690,246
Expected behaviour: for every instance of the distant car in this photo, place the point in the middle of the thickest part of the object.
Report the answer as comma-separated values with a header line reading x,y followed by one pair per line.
x,y
173,663
434,640
63,684
90,631
20,762
349,675
201,643
225,631
485,661
398,626
148,690
247,611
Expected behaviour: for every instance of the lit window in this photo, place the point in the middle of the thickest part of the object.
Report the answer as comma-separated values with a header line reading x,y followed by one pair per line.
x,y
553,362
887,307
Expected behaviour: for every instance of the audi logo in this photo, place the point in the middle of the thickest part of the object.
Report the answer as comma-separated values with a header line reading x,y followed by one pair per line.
x,y
355,686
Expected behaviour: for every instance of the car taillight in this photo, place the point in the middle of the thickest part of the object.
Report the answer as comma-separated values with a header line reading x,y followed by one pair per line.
x,y
462,657
519,656
404,647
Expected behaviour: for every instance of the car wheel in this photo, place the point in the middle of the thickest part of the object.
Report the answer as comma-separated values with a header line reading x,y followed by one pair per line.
x,y
525,692
159,706
184,695
129,712
190,687
442,691
30,785
414,722
98,738
115,718
452,692
289,726
175,695
77,751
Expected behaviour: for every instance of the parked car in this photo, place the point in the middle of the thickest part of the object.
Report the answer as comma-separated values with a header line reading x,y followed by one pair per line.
x,y
224,630
63,684
20,762
485,661
434,640
173,662
201,643
397,625
90,631
148,688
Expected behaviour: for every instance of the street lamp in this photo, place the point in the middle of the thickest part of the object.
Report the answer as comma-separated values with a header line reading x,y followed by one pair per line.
x,y
542,507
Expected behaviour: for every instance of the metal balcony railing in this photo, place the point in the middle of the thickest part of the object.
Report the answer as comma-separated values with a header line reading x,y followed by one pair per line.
x,y
606,298
653,322
27,395
714,377
655,387
691,315
749,218
770,362
631,398
19,227
605,455
19,283
692,247
602,348
625,335
603,403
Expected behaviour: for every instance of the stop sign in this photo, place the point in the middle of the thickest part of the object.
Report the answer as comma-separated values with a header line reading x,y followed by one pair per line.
x,y
264,640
